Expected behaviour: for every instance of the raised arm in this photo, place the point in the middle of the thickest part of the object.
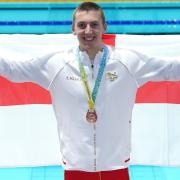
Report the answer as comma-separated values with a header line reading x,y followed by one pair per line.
x,y
145,69
37,70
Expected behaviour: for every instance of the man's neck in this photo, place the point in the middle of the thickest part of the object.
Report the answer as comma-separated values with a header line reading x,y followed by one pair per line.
x,y
92,52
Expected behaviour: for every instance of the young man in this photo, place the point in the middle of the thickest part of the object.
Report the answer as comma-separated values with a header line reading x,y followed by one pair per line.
x,y
93,112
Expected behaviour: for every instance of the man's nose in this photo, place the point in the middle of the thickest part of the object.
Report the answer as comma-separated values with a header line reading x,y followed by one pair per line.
x,y
88,29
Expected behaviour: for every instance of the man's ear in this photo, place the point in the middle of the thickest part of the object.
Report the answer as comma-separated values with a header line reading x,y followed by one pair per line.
x,y
73,29
105,27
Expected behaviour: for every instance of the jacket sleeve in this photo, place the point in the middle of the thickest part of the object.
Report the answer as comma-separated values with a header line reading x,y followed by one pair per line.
x,y
145,69
37,70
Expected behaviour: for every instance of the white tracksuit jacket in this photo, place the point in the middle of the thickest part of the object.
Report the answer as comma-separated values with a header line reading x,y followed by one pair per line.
x,y
59,73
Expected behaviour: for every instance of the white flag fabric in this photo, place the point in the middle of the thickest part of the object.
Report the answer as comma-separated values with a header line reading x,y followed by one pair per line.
x,y
28,131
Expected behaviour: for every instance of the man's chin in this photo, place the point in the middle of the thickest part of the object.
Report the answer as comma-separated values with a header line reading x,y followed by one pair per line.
x,y
85,47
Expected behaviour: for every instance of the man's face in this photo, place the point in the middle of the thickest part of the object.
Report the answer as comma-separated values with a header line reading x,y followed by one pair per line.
x,y
88,27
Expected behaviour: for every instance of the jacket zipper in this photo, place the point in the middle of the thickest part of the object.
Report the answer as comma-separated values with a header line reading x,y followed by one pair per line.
x,y
92,70
94,126
94,143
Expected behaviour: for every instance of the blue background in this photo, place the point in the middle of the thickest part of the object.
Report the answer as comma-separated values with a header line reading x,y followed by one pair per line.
x,y
131,18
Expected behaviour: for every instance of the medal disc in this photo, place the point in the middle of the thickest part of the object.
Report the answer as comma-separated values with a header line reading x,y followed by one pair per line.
x,y
91,116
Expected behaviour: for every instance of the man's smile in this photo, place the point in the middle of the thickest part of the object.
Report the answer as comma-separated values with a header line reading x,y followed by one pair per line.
x,y
89,38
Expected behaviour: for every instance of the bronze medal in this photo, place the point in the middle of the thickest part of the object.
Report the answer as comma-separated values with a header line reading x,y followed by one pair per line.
x,y
91,116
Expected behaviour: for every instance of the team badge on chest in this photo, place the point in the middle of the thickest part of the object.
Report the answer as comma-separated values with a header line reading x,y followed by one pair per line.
x,y
111,76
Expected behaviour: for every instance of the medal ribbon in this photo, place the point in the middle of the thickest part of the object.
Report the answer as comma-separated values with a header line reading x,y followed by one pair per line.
x,y
91,97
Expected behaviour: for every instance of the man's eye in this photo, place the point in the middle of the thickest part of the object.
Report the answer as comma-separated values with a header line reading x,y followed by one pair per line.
x,y
82,25
94,25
